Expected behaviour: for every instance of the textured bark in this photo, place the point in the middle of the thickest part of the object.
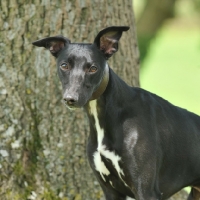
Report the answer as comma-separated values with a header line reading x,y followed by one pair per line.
x,y
42,144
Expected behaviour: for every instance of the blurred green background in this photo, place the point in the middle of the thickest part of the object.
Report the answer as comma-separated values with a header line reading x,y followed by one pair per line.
x,y
171,66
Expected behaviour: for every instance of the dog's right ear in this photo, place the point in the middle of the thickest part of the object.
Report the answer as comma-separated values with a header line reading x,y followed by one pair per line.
x,y
53,44
107,39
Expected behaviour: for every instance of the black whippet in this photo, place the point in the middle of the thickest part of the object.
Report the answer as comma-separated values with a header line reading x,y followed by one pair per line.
x,y
140,145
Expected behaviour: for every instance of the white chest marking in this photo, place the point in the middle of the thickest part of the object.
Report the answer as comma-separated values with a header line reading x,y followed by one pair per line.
x,y
129,198
101,149
99,164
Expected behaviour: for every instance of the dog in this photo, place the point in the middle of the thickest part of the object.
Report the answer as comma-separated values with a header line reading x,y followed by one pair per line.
x,y
140,145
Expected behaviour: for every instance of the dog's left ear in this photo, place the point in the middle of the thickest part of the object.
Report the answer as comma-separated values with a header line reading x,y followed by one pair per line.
x,y
53,44
108,38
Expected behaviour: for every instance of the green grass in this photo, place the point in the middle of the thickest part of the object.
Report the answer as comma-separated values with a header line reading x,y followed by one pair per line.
x,y
172,68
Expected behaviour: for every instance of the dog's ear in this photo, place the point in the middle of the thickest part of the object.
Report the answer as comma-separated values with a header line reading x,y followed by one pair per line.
x,y
53,44
108,38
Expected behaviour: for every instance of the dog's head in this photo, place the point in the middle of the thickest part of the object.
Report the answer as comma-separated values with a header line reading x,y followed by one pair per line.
x,y
82,68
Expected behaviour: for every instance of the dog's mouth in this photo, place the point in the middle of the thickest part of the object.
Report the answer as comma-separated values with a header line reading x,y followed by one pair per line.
x,y
70,105
73,105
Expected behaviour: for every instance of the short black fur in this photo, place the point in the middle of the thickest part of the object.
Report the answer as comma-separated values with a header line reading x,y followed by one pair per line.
x,y
146,148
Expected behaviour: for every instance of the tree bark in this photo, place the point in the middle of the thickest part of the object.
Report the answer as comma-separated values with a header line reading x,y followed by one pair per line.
x,y
42,144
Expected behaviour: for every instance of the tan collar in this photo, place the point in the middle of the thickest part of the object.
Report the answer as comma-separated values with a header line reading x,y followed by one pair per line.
x,y
102,87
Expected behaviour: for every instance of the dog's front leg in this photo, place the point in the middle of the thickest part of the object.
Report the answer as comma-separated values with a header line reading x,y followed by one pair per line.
x,y
149,197
145,189
147,193
111,194
143,184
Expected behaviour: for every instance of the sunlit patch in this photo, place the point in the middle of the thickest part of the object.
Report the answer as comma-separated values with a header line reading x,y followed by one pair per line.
x,y
132,134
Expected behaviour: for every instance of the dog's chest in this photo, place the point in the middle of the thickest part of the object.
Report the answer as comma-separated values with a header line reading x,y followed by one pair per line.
x,y
106,162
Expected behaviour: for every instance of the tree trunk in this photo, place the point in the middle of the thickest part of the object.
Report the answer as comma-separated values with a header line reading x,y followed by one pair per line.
x,y
42,144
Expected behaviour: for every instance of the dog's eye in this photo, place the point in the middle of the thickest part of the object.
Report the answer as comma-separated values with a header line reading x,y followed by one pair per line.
x,y
64,66
93,69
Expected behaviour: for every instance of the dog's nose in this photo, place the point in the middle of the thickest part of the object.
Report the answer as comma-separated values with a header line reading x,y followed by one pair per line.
x,y
70,100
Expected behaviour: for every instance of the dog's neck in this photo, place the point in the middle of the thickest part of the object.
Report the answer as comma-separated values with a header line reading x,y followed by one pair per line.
x,y
102,87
